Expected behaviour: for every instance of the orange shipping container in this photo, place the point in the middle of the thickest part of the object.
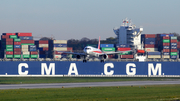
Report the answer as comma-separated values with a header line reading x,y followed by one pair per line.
x,y
127,56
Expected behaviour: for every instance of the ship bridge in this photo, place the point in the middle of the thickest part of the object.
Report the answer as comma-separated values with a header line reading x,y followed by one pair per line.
x,y
129,34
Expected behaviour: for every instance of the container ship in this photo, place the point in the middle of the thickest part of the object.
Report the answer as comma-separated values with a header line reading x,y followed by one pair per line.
x,y
148,55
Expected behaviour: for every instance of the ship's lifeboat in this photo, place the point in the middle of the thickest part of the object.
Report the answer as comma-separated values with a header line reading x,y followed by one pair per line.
x,y
140,51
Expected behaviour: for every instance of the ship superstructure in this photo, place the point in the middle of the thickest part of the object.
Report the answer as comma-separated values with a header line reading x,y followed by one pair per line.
x,y
129,34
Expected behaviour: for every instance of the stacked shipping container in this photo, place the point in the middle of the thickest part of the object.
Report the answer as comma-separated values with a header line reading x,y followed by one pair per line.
x,y
125,55
108,48
26,39
60,46
167,45
174,52
7,44
150,42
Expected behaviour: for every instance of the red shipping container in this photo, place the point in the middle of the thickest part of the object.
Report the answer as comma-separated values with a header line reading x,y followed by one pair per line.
x,y
45,49
17,49
34,53
173,50
17,52
27,41
42,52
127,56
9,53
9,43
174,41
149,46
150,35
24,34
166,50
110,56
178,43
166,44
178,46
165,37
43,41
69,49
9,40
10,33
123,49
17,43
58,52
5,36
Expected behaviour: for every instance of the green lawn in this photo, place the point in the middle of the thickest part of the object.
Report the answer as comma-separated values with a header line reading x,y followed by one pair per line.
x,y
128,93
25,80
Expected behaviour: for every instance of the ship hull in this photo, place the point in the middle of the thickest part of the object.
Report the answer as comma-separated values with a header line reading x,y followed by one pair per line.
x,y
97,69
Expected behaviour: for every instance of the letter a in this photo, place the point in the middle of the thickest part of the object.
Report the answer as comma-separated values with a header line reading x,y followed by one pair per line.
x,y
73,69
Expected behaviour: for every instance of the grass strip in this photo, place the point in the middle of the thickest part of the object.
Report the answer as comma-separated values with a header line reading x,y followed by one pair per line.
x,y
128,93
33,80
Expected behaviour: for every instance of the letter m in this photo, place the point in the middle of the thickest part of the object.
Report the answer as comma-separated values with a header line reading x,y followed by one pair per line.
x,y
48,70
154,70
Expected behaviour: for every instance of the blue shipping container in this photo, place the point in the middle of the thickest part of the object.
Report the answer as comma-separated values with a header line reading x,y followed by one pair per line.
x,y
166,35
32,46
173,47
121,45
17,46
26,37
154,53
42,56
107,45
60,45
150,39
149,42
32,49
166,53
173,44
173,56
40,49
166,47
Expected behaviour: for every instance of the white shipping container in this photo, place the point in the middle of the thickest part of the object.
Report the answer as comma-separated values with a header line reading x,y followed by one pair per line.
x,y
60,48
44,45
24,50
166,56
60,41
154,56
57,56
24,46
27,53
151,49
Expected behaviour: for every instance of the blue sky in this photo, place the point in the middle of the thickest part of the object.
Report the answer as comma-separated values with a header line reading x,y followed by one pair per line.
x,y
67,19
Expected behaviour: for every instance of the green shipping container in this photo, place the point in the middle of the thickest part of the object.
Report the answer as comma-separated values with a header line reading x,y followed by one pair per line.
x,y
126,53
9,49
17,40
27,43
173,53
105,49
26,56
174,37
166,41
34,56
9,46
17,56
9,56
13,36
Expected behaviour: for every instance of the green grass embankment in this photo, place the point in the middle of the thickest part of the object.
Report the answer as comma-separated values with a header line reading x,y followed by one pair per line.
x,y
128,93
31,80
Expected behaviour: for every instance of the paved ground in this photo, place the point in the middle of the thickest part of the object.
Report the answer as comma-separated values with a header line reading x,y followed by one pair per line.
x,y
90,84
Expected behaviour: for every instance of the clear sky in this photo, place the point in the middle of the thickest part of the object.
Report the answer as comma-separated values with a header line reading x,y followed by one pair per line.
x,y
67,19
